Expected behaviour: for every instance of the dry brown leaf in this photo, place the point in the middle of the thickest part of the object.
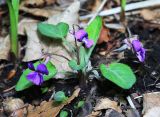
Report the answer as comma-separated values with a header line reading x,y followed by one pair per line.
x,y
105,103
95,114
104,35
4,47
37,3
50,108
151,102
150,14
14,106
11,74
64,3
153,112
45,12
25,22
39,12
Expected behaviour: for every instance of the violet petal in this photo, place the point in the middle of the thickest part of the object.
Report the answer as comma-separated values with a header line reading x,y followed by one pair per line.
x,y
35,78
126,42
31,66
136,45
88,43
141,55
80,35
41,68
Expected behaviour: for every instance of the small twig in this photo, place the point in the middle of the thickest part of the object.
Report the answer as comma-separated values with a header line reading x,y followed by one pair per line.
x,y
57,55
138,97
61,56
97,12
130,102
129,7
129,32
52,95
11,88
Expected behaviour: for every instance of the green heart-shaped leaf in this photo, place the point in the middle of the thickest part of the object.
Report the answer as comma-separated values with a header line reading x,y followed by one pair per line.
x,y
58,31
119,73
23,83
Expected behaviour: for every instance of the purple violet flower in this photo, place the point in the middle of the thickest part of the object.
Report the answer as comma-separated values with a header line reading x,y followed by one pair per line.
x,y
88,43
36,76
137,47
82,36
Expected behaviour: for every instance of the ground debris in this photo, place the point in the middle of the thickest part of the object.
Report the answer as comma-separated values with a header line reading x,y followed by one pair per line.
x,y
104,35
106,103
50,108
14,107
112,113
4,47
150,14
151,104
37,3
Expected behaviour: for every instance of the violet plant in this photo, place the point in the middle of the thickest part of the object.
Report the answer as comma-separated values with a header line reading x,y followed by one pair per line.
x,y
118,73
13,6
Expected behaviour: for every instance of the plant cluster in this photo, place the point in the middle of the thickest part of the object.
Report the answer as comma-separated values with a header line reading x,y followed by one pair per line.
x,y
85,41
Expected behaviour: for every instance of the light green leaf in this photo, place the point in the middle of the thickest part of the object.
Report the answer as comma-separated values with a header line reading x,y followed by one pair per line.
x,y
58,31
93,31
63,114
123,4
15,4
119,73
24,83
79,105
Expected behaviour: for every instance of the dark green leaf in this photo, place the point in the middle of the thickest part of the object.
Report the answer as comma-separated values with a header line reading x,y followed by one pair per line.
x,y
119,73
58,31
44,90
59,96
23,83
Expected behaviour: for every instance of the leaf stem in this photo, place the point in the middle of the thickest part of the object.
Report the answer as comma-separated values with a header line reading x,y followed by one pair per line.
x,y
77,48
